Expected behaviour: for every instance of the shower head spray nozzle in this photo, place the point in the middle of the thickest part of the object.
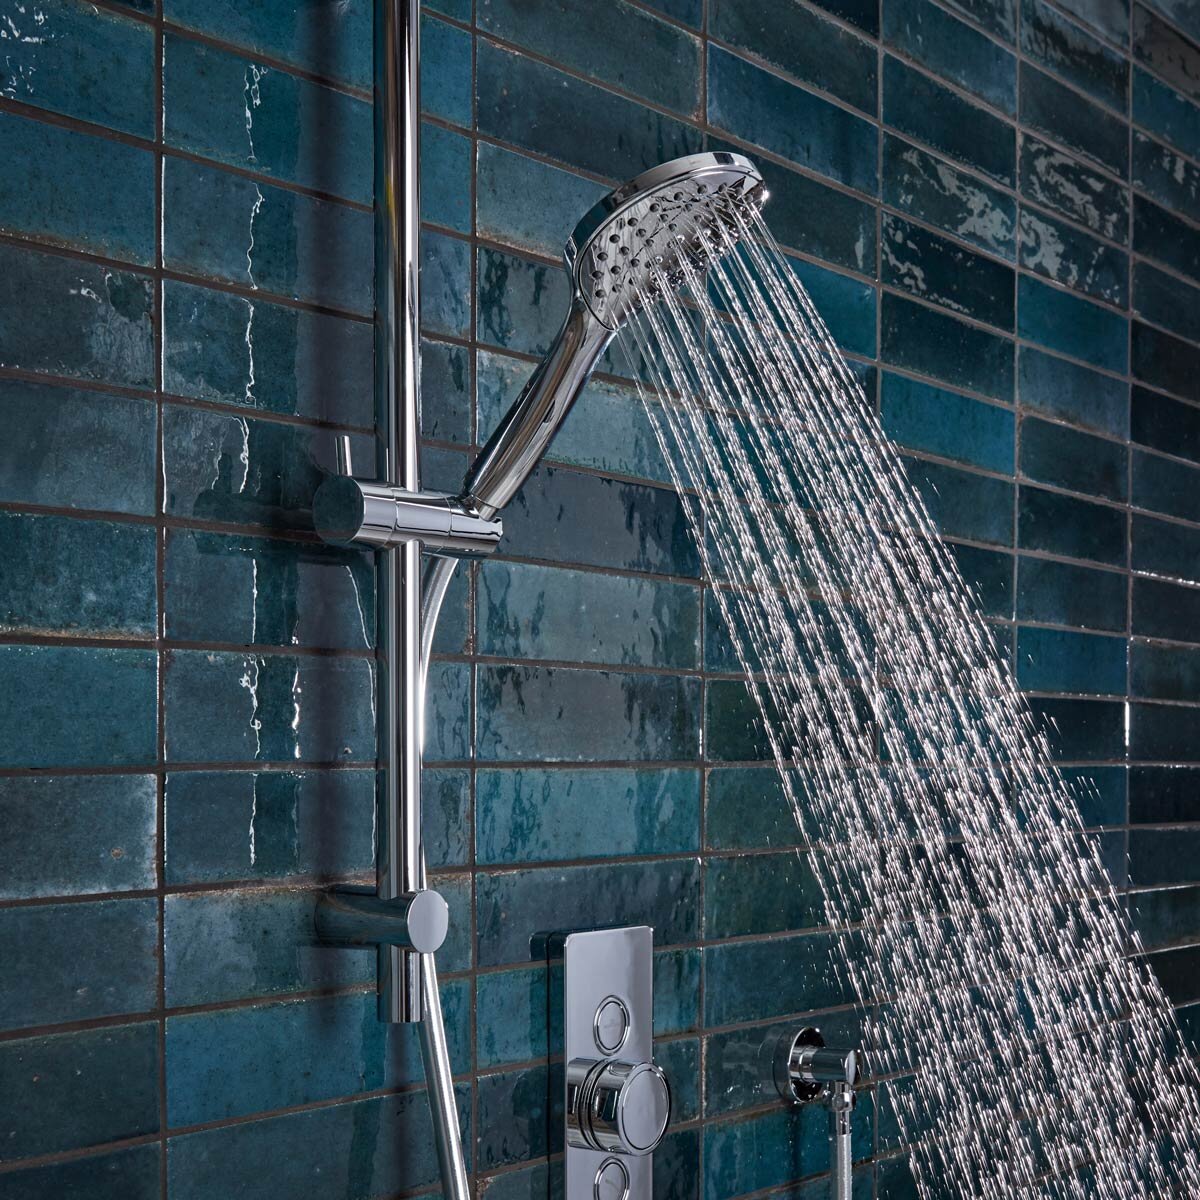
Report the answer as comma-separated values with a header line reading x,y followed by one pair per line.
x,y
631,245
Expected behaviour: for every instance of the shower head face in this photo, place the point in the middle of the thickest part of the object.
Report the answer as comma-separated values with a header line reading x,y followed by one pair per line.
x,y
643,233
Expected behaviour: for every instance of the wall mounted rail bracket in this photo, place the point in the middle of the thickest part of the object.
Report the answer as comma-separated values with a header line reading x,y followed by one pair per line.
x,y
617,1102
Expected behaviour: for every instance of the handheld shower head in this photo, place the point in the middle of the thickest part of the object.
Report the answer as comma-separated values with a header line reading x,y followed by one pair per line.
x,y
619,251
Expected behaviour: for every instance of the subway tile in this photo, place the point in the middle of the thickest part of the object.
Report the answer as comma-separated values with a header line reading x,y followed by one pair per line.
x,y
83,62
77,319
521,303
923,340
760,893
680,1061
1053,660
1165,424
75,190
515,1118
240,112
1063,183
1164,733
1066,458
989,576
528,611
996,16
762,108
1165,610
628,526
1166,301
1052,109
748,808
690,12
1168,53
514,907
1076,56
1082,730
1110,17
1166,113
846,306
77,962
446,71
1162,856
933,191
1165,548
1164,672
445,165
1165,176
557,714
261,236
531,815
71,706
534,107
964,504
75,834
920,108
950,48
1165,362
71,1091
652,59
802,44
1165,486
1061,252
1182,13
1064,323
67,576
1163,795
311,1147
269,357
297,1052
1162,236
1071,392
862,13
676,990
1066,594
1058,524
921,417
445,392
1166,917
261,592
131,1174
331,42
1099,793
946,274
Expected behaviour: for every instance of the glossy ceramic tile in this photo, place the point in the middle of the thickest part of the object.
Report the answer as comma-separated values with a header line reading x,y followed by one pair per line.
x,y
964,504
1165,112
1060,252
1066,458
1164,175
1161,795
1062,322
1166,300
922,417
1053,109
1054,660
1166,52
1164,424
1073,54
1163,733
1165,486
1165,548
1162,236
1083,730
1164,362
1058,524
1066,594
131,1174
1166,610
996,16
1069,186
1070,392
760,894
989,576
1164,672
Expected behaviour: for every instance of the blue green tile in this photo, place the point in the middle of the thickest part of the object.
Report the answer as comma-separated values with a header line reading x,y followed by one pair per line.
x,y
1160,235
446,71
1059,321
1058,524
78,962
535,107
1165,610
1053,660
64,575
515,1115
1164,733
445,172
747,808
513,907
75,190
297,1052
1061,252
1165,362
1166,917
384,1143
996,16
1166,52
922,417
116,1175
62,316
1165,548
963,504
1165,486
70,1091
1164,672
1076,56
1082,730
512,1017
1165,176
847,306
931,343
1162,795
261,236
915,105
1166,300
1053,109
989,576
445,285
802,44
1067,458
1110,17
937,193
270,357
1066,594
557,714
760,893
1072,392
241,112
332,41
83,62
652,59
1164,424
760,107
532,815
1183,14
676,990
1165,112
68,706
1162,856
690,12
1099,793
945,273
950,48
1061,182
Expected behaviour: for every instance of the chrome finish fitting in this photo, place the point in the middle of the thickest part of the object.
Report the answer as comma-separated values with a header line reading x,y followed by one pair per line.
x,y
616,1107
417,921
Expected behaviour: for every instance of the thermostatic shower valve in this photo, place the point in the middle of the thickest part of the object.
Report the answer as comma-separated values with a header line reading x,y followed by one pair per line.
x,y
618,1102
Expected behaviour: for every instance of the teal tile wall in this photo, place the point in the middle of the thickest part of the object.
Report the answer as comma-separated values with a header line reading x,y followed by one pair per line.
x,y
996,204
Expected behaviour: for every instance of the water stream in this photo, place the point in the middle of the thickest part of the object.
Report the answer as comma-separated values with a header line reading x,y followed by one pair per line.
x,y
1024,1048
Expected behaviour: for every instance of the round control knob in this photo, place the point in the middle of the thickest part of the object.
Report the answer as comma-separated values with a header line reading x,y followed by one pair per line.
x,y
617,1107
